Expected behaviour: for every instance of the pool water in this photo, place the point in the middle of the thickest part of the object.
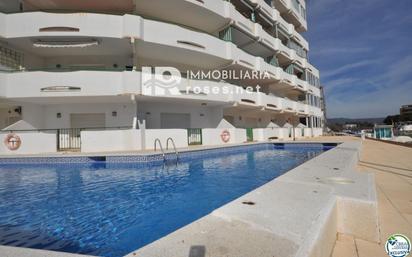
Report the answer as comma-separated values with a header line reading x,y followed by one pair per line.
x,y
110,209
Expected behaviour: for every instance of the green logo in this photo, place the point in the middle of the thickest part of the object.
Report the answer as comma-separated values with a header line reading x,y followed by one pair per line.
x,y
398,245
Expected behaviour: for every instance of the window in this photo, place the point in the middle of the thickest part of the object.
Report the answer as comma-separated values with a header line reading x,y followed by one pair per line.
x,y
175,120
296,5
10,58
312,79
303,12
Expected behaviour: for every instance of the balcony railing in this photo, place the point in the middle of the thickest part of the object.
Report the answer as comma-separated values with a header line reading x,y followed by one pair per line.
x,y
68,69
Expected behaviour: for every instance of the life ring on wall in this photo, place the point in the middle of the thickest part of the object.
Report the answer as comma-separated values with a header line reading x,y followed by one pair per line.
x,y
12,141
225,136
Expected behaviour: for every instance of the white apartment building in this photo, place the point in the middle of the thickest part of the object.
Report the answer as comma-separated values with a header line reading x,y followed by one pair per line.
x,y
71,73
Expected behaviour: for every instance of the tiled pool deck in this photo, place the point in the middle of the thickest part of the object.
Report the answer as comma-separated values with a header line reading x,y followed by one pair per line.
x,y
392,166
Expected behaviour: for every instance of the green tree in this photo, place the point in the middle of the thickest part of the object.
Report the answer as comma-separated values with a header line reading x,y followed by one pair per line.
x,y
391,119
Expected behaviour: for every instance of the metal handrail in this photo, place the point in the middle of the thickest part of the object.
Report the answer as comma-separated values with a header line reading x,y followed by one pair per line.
x,y
174,146
56,129
161,148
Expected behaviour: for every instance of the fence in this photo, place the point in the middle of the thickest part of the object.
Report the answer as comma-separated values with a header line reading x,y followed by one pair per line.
x,y
249,134
194,136
69,139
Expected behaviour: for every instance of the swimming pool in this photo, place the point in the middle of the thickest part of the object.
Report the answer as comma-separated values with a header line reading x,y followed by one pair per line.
x,y
111,209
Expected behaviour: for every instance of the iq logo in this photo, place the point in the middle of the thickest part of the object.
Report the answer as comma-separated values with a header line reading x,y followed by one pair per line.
x,y
398,246
161,81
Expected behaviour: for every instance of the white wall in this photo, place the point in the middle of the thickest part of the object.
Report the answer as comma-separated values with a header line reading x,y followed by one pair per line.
x,y
8,116
91,83
242,119
111,140
308,132
124,118
45,116
130,139
3,84
200,116
89,24
284,134
298,132
179,136
32,143
34,115
317,132
212,136
240,135
263,134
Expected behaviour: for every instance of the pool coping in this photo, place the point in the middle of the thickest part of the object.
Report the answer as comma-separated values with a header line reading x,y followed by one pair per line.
x,y
145,157
327,224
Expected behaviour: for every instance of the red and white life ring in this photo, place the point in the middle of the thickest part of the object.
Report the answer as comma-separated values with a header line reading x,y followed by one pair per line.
x,y
12,142
225,136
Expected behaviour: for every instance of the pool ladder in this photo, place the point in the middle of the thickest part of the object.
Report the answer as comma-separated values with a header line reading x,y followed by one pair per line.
x,y
157,140
174,146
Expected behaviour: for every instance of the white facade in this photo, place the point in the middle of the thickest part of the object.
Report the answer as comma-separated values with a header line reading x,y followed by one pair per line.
x,y
74,72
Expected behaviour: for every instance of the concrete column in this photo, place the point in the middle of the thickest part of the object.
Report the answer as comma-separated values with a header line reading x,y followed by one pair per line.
x,y
142,128
139,122
311,125
134,55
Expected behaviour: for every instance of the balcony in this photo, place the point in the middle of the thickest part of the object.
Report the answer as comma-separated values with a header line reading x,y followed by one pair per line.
x,y
301,85
205,15
68,83
282,5
264,9
314,111
242,23
288,106
292,12
275,73
244,100
302,109
44,24
288,80
165,43
272,103
192,90
46,84
88,26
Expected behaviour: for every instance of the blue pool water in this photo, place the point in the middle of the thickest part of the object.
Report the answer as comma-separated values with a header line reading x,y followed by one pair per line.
x,y
110,209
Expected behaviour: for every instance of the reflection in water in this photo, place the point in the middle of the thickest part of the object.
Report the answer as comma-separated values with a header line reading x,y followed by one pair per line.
x,y
113,209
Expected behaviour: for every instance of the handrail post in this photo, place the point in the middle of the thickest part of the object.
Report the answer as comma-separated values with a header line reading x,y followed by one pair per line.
x,y
161,148
174,146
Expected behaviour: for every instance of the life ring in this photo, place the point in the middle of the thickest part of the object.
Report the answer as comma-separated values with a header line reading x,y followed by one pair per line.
x,y
12,142
225,136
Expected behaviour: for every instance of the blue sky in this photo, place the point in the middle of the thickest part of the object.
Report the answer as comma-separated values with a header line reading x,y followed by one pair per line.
x,y
363,49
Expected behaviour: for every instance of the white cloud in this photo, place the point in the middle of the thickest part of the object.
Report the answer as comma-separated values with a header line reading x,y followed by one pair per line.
x,y
375,104
326,51
347,67
344,32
